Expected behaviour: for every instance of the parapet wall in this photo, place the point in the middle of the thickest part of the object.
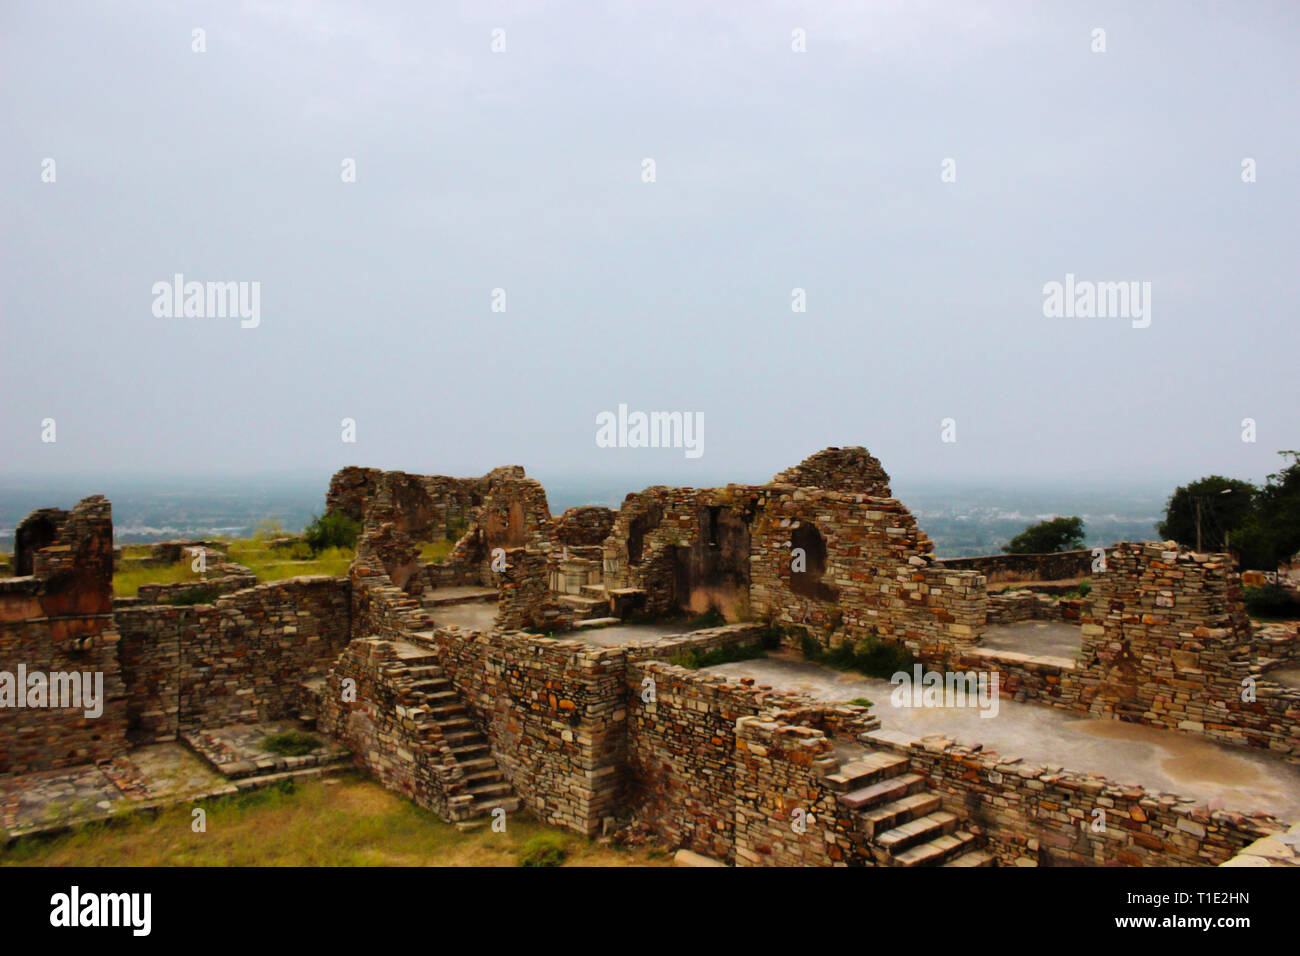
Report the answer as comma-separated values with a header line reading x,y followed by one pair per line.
x,y
1061,566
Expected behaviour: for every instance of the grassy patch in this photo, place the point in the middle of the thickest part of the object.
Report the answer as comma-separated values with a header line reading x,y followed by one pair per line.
x,y
435,552
545,849
721,655
127,581
870,656
291,743
352,822
861,702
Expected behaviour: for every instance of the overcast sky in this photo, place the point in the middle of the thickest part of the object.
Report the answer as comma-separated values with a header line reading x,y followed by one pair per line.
x,y
522,170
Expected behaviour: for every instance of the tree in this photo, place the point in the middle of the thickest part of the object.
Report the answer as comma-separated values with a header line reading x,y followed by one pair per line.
x,y
1270,534
1224,503
1046,537
334,530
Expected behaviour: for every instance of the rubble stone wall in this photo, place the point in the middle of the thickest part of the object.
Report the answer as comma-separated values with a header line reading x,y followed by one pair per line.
x,y
57,620
555,715
238,659
1063,565
1039,816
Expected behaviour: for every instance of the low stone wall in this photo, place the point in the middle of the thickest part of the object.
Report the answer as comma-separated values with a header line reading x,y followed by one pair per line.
x,y
1038,816
222,584
1062,565
554,713
586,526
238,659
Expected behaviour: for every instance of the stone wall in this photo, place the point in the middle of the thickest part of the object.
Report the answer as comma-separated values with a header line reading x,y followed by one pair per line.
x,y
377,721
554,713
1045,817
586,526
236,660
852,470
1063,565
56,619
877,576
1169,644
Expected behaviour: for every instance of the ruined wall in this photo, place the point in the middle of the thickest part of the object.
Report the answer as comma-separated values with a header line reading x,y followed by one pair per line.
x,y
852,470
878,575
56,620
1046,817
524,597
1062,565
1169,644
554,713
238,659
586,526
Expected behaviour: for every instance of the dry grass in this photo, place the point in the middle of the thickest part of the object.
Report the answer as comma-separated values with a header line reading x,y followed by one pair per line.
x,y
351,821
436,552
269,564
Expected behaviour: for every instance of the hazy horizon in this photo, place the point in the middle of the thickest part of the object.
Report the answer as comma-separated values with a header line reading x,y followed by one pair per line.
x,y
776,170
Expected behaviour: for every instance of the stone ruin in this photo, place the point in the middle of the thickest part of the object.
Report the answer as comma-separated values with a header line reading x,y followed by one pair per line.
x,y
528,709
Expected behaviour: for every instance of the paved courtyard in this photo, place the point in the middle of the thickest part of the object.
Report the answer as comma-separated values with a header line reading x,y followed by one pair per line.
x,y
1236,778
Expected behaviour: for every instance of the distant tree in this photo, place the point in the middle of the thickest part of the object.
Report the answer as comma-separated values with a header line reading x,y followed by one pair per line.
x,y
1046,537
1224,502
333,530
1270,534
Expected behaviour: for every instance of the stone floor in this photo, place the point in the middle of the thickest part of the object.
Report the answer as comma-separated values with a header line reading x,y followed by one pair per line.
x,y
238,751
1039,638
147,775
1166,760
1289,676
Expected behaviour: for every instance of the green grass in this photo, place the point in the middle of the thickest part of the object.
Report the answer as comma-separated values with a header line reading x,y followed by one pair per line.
x,y
869,656
267,563
291,743
722,655
435,552
350,822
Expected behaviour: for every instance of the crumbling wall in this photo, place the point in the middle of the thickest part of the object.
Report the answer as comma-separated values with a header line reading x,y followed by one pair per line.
x,y
587,526
1169,643
56,619
1062,565
554,713
238,659
852,470
879,578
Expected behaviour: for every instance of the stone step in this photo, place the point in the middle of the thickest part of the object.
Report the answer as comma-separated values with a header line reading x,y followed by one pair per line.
x,y
593,622
891,789
445,712
442,697
870,769
934,852
461,738
972,858
582,603
486,791
596,591
488,804
470,752
919,830
425,670
896,813
475,765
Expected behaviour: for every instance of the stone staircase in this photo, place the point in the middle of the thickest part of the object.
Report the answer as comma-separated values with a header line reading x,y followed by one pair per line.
x,y
434,705
905,824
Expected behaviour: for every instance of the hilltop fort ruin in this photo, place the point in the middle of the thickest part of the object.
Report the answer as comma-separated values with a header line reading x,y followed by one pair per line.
x,y
533,668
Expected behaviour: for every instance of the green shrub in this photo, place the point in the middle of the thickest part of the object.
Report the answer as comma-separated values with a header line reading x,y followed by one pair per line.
x,y
876,658
730,653
333,530
861,702
290,743
713,617
195,595
544,850
809,646
1271,600
1084,588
